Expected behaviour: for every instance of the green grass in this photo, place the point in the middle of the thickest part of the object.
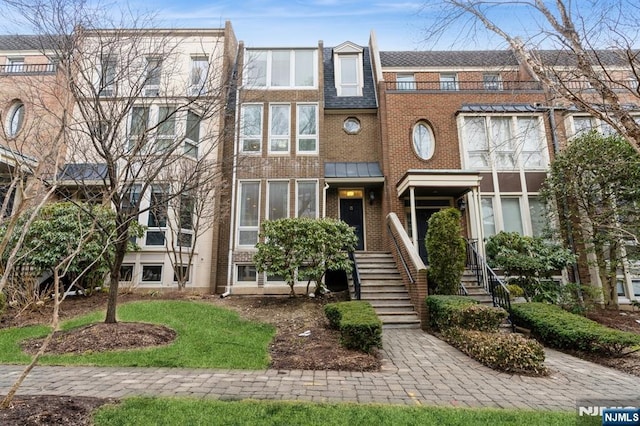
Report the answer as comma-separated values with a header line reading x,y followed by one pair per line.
x,y
207,337
169,411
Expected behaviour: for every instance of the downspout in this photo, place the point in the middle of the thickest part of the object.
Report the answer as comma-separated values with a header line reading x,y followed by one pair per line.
x,y
556,150
233,190
324,200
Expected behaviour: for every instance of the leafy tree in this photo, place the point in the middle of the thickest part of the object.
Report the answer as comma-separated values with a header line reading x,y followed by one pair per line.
x,y
62,228
528,262
598,178
446,251
303,247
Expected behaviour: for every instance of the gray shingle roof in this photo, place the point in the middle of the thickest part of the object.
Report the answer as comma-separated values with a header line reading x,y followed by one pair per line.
x,y
461,58
333,101
26,42
565,58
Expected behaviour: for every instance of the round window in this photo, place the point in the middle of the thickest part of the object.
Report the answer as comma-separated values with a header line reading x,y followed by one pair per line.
x,y
16,118
351,125
423,140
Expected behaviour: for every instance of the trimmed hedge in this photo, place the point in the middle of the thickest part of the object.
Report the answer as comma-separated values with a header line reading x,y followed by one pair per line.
x,y
359,325
511,353
464,312
564,330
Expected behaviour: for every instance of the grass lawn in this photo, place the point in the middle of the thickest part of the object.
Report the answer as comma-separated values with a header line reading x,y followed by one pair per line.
x,y
168,411
207,337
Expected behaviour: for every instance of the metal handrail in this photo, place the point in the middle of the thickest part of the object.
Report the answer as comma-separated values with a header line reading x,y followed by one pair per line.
x,y
21,69
355,274
487,278
463,86
404,263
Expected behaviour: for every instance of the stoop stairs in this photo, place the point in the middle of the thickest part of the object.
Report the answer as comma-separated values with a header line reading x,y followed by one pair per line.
x,y
381,285
474,290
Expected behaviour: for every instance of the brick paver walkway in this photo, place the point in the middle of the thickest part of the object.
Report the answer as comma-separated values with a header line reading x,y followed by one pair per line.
x,y
418,369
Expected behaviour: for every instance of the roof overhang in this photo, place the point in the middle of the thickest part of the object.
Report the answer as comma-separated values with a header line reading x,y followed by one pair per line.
x,y
444,182
350,173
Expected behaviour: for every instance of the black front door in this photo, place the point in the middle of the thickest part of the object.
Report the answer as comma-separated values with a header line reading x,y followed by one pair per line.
x,y
351,212
422,219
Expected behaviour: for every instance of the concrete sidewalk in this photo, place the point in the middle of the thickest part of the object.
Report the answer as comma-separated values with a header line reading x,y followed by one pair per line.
x,y
418,369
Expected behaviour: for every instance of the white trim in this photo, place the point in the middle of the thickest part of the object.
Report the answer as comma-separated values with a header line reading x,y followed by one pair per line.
x,y
239,213
241,136
286,136
299,136
298,182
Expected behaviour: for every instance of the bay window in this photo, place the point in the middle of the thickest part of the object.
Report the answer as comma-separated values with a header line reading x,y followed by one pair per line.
x,y
281,68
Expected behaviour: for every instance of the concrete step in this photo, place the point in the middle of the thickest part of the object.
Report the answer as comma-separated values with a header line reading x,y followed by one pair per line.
x,y
400,321
406,310
390,304
383,288
393,295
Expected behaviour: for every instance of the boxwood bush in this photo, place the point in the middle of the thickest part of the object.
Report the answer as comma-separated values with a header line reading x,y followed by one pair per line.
x,y
464,312
359,325
564,330
508,352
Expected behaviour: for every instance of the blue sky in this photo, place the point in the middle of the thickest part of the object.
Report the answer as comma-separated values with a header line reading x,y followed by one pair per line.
x,y
398,25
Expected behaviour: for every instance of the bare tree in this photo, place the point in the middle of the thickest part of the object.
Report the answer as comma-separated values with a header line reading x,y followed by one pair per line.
x,y
137,93
583,52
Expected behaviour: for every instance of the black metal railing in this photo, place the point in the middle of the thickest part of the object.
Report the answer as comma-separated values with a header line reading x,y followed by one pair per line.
x,y
487,278
464,86
22,69
355,275
400,255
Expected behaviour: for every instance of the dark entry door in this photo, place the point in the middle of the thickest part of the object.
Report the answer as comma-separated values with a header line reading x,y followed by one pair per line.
x,y
351,212
422,218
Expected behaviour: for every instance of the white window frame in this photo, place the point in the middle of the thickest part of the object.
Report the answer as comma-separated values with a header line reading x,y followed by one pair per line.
x,y
191,146
449,81
247,228
152,88
15,64
595,124
143,281
317,201
515,135
173,116
431,140
148,214
133,272
238,281
288,206
300,136
105,88
340,84
269,69
15,118
498,216
405,81
199,86
284,137
244,136
189,273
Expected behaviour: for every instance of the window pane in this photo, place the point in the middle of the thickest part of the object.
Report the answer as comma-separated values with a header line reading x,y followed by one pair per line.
x,y
152,273
278,200
158,207
448,82
281,68
251,128
532,146
405,82
511,215
349,70
247,273
582,124
192,135
199,69
422,141
503,143
153,69
249,203
304,68
279,128
187,206
256,68
307,199
307,128
16,119
476,142
492,81
538,216
154,238
488,219
183,271
126,272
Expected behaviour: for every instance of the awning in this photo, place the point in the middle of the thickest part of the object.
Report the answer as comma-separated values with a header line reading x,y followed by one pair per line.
x,y
439,182
353,172
85,173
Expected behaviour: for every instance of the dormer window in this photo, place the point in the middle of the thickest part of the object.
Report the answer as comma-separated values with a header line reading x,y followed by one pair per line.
x,y
348,69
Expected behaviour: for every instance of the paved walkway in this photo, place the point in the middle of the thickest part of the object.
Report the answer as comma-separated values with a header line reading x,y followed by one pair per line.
x,y
418,369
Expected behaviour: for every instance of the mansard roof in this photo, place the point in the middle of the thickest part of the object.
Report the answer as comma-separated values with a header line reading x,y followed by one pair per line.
x,y
368,99
460,58
25,42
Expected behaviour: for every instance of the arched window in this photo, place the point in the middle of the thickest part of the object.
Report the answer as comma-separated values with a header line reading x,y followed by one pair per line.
x,y
15,118
423,140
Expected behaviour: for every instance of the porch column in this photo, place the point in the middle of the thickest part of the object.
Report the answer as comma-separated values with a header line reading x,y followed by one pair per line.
x,y
477,219
414,224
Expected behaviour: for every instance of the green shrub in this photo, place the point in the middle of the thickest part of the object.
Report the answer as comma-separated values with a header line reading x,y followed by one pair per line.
x,y
359,325
515,290
564,330
508,352
446,251
462,311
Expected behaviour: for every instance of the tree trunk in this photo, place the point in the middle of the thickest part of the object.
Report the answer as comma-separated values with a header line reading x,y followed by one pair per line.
x,y
114,281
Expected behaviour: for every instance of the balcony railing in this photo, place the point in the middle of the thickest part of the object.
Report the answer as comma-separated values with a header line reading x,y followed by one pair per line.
x,y
463,86
28,69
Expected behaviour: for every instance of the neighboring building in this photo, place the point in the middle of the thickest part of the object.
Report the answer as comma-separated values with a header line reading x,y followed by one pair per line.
x,y
156,103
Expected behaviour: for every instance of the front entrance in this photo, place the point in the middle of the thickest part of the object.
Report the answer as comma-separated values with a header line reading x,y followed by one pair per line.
x,y
352,212
422,219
